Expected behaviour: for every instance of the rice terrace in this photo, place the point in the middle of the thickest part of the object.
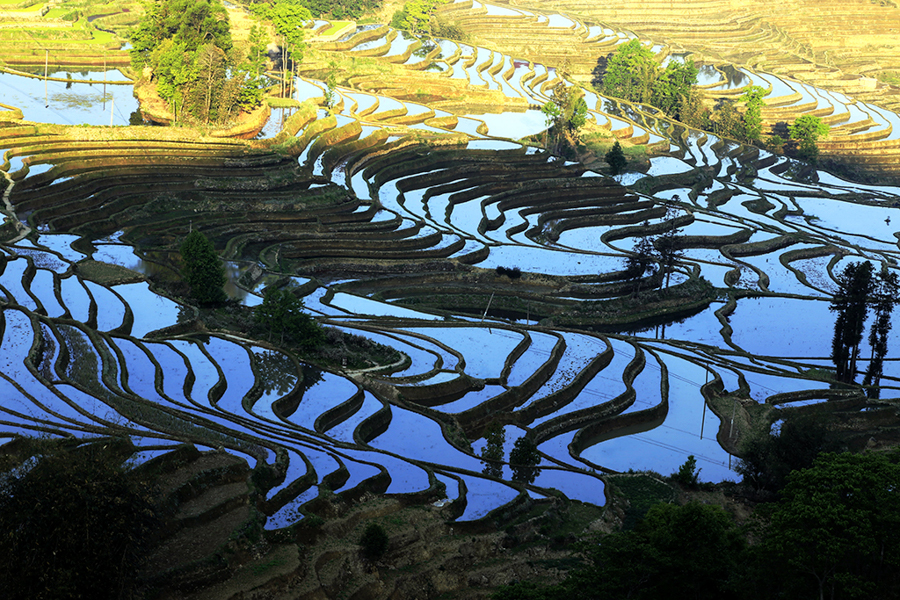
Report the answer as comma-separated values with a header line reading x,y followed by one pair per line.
x,y
548,250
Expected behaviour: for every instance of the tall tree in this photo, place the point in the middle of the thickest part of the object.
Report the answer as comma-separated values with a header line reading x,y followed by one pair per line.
x,y
753,97
885,298
202,269
74,524
281,312
851,303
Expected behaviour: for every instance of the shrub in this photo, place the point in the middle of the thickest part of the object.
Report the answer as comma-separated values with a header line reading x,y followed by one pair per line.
x,y
374,541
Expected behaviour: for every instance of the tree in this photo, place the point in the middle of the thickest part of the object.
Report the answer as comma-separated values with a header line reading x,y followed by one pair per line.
x,y
565,113
675,552
855,284
631,72
374,541
281,312
642,260
807,130
524,459
753,99
667,245
492,453
768,457
202,269
885,298
688,474
836,531
674,87
74,524
615,158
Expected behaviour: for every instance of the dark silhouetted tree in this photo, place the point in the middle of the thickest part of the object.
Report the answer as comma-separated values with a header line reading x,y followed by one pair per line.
x,y
202,270
615,158
524,460
851,303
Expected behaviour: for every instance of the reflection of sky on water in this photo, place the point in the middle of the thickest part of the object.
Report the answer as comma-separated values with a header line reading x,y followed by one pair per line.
x,y
69,104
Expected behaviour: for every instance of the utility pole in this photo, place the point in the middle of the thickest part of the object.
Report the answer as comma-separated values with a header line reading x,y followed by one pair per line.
x,y
112,107
46,64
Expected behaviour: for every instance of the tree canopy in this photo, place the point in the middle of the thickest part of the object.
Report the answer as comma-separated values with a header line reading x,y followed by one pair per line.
x,y
633,73
74,524
806,131
281,312
837,528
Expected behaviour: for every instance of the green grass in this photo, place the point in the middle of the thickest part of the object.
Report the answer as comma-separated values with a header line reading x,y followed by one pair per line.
x,y
57,13
335,26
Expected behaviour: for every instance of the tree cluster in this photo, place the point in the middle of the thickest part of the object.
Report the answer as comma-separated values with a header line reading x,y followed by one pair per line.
x,y
420,16
197,69
834,533
634,74
746,127
565,113
281,312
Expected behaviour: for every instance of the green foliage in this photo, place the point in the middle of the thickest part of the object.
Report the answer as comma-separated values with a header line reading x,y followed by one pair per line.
x,y
885,297
836,531
565,113
688,474
281,312
374,541
631,72
676,552
807,130
74,524
753,97
673,86
615,158
524,459
195,66
768,457
202,269
417,16
634,74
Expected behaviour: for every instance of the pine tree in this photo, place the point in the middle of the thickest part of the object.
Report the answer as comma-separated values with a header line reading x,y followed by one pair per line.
x,y
615,158
202,269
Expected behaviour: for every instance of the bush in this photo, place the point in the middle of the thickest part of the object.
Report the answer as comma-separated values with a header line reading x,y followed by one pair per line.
x,y
73,524
374,541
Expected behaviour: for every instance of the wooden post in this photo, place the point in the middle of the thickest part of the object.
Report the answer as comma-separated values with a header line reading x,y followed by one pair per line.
x,y
112,107
46,64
